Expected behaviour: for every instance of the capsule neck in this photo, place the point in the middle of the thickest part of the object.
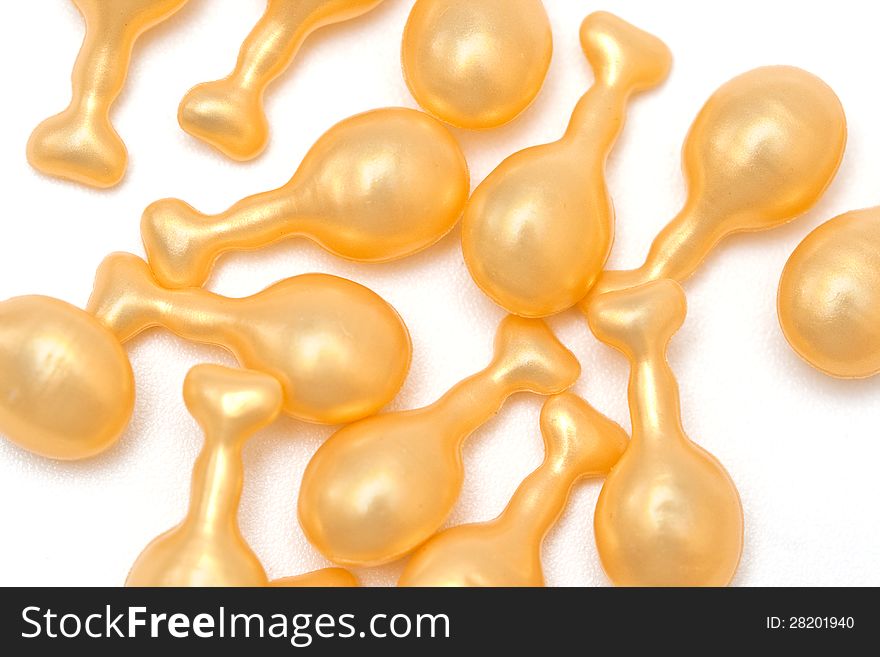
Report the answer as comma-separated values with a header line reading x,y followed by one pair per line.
x,y
654,401
597,121
472,402
539,502
217,483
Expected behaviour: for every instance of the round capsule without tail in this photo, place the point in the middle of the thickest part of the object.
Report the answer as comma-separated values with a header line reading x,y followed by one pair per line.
x,y
829,296
476,64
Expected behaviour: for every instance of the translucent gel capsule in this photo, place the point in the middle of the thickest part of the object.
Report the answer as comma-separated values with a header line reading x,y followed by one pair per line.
x,y
228,113
668,514
761,152
207,548
476,63
80,143
579,442
66,386
375,187
537,231
380,487
338,349
829,296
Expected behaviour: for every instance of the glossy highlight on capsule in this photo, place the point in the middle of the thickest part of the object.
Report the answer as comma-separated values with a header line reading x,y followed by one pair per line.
x,y
378,186
829,296
476,64
207,547
669,514
339,350
579,442
80,143
228,114
378,488
537,231
761,152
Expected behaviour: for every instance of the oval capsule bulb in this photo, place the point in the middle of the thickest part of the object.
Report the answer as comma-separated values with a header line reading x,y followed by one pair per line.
x,y
476,64
829,296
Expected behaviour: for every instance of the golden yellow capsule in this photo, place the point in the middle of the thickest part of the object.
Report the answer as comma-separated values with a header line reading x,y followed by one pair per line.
x,y
380,487
761,152
476,63
228,114
375,187
80,143
340,351
579,442
669,513
66,388
829,296
537,232
207,548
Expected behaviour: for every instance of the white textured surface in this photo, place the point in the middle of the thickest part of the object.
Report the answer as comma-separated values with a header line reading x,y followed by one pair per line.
x,y
803,449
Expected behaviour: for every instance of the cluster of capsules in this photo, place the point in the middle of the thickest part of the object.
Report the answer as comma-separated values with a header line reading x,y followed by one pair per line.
x,y
536,234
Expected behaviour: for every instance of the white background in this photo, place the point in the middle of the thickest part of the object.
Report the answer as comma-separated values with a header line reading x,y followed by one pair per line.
x,y
803,449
